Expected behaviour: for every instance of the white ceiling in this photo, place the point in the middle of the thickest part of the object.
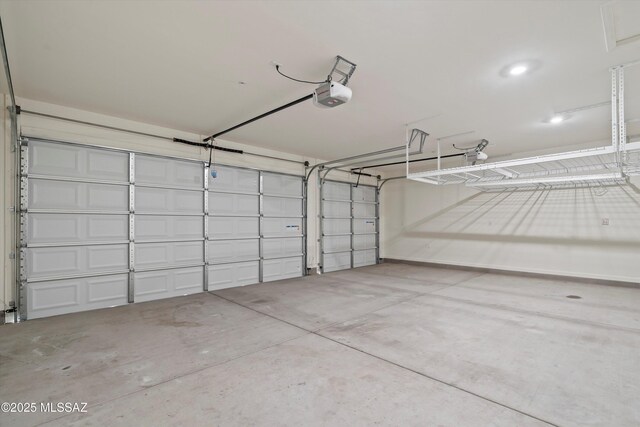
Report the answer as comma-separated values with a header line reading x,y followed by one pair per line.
x,y
178,63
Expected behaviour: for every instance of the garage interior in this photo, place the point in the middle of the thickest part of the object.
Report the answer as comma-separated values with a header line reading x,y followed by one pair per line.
x,y
320,213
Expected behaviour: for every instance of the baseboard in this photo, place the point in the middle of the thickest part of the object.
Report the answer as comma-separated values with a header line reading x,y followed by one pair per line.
x,y
591,280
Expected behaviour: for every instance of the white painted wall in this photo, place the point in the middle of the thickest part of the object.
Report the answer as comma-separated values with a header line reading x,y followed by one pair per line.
x,y
35,126
551,232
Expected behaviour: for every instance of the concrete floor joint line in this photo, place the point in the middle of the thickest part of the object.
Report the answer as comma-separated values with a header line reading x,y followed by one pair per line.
x,y
538,313
390,362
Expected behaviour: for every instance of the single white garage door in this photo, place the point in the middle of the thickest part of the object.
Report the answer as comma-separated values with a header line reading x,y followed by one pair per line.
x,y
103,227
349,225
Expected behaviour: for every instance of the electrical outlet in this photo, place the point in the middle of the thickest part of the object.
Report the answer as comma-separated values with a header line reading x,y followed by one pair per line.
x,y
605,221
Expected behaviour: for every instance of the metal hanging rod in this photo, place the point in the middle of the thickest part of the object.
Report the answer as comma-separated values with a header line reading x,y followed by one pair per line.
x,y
7,70
416,134
261,116
166,138
410,161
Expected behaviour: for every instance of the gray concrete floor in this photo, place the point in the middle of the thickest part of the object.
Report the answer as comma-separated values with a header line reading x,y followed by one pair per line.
x,y
391,344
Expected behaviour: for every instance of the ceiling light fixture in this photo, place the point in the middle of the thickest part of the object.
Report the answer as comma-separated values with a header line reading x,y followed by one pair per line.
x,y
558,118
518,70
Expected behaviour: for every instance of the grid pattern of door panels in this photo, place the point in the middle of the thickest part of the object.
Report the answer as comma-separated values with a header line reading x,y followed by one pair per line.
x,y
234,228
365,225
282,226
74,229
169,198
349,229
103,227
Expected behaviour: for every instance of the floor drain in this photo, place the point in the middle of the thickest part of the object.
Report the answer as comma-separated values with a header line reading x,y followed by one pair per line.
x,y
574,296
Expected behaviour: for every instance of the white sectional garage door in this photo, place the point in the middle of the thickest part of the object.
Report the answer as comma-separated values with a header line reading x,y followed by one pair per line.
x,y
103,227
75,236
282,226
349,225
234,228
168,227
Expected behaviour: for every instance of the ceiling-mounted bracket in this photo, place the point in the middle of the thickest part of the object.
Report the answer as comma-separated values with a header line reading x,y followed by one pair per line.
x,y
415,134
342,70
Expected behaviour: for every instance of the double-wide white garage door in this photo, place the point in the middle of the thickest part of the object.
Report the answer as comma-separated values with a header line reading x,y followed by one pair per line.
x,y
349,225
103,227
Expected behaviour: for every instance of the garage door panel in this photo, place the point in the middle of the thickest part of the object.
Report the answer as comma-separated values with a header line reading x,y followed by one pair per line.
x,y
337,243
336,191
281,226
106,197
66,195
74,228
157,227
233,204
349,226
336,209
71,295
233,227
278,269
364,225
170,172
363,193
237,274
364,241
152,285
162,200
364,210
79,223
76,260
362,258
337,261
336,226
284,185
279,206
149,255
222,251
234,180
63,160
276,248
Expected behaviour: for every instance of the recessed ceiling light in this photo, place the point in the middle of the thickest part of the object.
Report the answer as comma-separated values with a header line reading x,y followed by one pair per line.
x,y
518,70
558,118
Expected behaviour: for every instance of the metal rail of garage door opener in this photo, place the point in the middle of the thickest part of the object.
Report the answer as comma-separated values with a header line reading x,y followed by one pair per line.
x,y
336,74
22,157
